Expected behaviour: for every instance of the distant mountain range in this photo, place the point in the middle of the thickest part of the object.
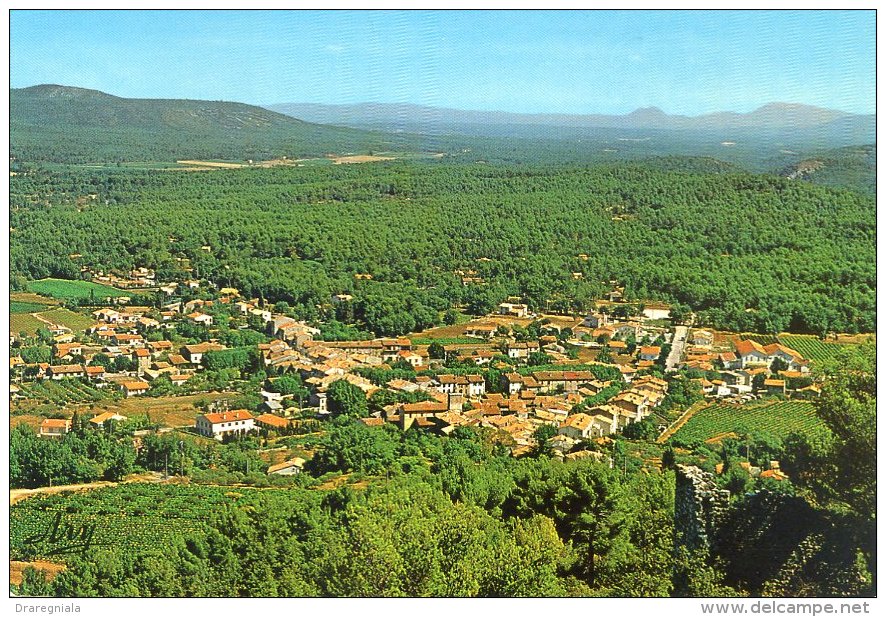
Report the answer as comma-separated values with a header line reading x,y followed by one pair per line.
x,y
62,124
776,117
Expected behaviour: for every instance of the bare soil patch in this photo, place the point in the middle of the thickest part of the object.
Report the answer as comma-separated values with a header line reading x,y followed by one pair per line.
x,y
360,158
17,568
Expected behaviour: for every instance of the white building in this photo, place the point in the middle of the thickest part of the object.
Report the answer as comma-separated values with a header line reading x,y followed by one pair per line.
x,y
216,425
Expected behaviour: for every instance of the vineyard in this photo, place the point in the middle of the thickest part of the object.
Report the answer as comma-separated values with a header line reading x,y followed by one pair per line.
x,y
778,419
763,339
810,346
130,516
63,317
26,307
24,322
66,391
75,290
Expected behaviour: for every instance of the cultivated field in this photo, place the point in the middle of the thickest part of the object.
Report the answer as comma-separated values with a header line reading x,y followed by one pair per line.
x,y
167,411
811,346
65,392
26,307
63,317
25,322
74,290
129,515
362,158
775,418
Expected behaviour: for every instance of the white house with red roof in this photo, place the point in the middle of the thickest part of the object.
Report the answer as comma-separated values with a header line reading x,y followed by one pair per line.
x,y
216,425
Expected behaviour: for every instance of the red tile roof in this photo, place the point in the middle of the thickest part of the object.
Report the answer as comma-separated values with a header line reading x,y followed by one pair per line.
x,y
228,416
272,420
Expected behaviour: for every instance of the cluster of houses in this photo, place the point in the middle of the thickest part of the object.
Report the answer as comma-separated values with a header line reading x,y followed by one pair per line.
x,y
770,367
521,402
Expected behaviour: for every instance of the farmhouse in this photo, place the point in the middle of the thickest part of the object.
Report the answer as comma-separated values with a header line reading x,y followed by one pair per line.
x,y
485,331
216,425
68,350
200,318
514,310
466,385
134,388
51,427
271,422
194,353
99,420
287,468
518,351
63,371
650,354
577,426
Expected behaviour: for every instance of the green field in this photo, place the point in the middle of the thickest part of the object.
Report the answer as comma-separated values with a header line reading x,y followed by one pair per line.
x,y
778,418
131,515
66,391
63,317
26,307
455,340
811,346
74,290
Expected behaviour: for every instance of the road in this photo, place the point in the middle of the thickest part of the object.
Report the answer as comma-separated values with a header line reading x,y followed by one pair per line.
x,y
677,344
18,494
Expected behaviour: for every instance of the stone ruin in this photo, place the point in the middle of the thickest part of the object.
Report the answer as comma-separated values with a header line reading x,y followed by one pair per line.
x,y
699,507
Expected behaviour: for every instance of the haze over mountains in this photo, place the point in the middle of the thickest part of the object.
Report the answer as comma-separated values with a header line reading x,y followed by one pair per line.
x,y
779,117
62,124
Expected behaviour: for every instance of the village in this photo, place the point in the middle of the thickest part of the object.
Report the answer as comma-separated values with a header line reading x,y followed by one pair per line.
x,y
512,371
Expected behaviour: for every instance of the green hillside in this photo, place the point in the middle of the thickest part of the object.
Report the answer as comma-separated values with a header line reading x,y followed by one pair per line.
x,y
853,167
61,124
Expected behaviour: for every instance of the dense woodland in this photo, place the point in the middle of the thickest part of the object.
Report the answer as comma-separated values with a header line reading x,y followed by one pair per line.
x,y
745,252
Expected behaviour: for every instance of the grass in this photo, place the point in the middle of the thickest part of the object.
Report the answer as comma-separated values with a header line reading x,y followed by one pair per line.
x,y
167,411
75,290
775,418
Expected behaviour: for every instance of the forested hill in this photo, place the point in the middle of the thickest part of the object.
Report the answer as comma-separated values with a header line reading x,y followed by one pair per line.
x,y
746,252
62,124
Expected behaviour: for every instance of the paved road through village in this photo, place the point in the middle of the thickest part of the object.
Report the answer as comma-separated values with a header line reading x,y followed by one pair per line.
x,y
676,347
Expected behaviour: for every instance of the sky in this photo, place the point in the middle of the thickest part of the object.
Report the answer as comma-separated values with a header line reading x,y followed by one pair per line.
x,y
612,62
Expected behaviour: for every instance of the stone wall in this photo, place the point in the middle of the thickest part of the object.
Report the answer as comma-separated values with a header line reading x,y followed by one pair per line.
x,y
699,506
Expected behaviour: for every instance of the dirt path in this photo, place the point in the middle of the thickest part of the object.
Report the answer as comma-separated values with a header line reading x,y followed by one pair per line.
x,y
19,494
683,419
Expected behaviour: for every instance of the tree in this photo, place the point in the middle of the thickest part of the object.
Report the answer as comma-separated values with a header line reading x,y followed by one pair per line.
x,y
436,351
541,435
538,358
450,317
343,397
645,430
679,312
848,405
778,365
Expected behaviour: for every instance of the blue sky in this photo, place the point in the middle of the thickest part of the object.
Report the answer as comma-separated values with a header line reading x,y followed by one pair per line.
x,y
525,61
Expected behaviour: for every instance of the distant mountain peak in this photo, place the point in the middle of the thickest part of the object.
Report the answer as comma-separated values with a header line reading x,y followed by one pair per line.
x,y
647,112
